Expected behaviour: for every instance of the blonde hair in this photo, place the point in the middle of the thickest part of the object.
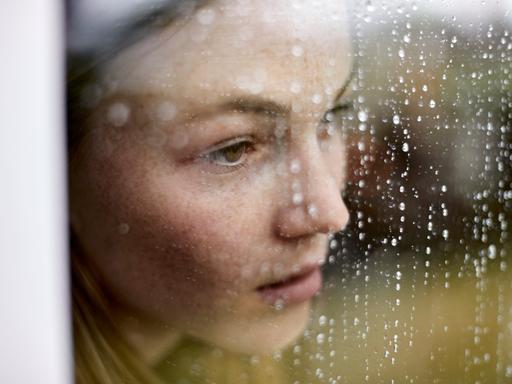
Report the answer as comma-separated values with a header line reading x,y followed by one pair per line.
x,y
100,351
102,355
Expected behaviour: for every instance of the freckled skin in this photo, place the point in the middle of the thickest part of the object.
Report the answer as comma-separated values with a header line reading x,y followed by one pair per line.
x,y
184,242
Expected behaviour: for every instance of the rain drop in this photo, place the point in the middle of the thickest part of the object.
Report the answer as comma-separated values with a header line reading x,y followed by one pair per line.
x,y
166,111
297,198
123,228
118,114
295,87
312,210
297,51
317,98
205,16
295,166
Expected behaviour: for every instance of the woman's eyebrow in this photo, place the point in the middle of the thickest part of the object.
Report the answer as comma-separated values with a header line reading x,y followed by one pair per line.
x,y
243,104
257,105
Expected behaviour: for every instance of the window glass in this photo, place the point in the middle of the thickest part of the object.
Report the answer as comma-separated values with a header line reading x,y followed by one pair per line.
x,y
291,192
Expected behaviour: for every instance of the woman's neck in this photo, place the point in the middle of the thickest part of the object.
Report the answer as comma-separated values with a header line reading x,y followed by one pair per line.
x,y
151,340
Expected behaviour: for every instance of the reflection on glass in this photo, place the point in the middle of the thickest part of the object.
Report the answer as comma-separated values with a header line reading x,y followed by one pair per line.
x,y
207,151
206,164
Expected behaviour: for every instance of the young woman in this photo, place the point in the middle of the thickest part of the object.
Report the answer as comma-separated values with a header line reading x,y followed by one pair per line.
x,y
206,164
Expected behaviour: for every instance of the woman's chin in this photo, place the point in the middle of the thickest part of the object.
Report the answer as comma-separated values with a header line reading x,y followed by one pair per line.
x,y
262,336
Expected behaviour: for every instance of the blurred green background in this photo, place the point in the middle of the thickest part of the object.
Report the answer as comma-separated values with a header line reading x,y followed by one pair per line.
x,y
420,288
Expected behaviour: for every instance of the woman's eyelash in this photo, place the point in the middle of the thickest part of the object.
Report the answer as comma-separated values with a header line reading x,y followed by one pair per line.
x,y
330,115
230,153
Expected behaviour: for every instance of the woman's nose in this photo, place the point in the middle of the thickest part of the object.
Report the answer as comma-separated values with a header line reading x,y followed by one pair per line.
x,y
314,203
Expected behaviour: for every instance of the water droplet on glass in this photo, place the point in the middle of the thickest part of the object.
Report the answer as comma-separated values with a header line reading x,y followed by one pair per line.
x,y
205,16
362,116
279,305
297,198
317,98
256,87
123,228
297,51
166,111
312,210
492,251
295,87
118,114
178,139
295,166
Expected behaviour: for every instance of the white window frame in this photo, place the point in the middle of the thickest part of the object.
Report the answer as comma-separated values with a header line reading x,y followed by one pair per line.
x,y
35,327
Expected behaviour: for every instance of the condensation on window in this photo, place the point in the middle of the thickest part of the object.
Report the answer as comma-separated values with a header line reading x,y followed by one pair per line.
x,y
417,287
421,282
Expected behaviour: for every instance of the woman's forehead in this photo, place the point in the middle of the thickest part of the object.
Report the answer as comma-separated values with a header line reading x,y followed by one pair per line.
x,y
237,42
299,19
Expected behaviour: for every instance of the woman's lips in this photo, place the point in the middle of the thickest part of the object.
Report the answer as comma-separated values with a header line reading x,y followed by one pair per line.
x,y
293,290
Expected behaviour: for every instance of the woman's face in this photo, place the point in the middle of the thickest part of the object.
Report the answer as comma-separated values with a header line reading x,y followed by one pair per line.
x,y
213,171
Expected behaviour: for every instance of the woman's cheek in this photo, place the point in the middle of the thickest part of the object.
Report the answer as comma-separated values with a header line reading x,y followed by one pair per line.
x,y
193,234
335,157
202,235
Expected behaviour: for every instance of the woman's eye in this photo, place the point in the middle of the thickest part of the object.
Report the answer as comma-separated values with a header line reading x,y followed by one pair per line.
x,y
335,114
230,154
333,120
